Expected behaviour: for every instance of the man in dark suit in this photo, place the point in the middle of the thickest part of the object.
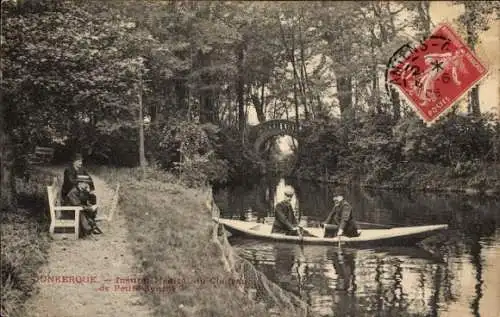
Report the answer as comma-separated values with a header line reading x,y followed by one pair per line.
x,y
285,220
71,173
340,220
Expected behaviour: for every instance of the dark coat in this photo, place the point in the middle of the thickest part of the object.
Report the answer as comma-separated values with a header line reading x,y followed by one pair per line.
x,y
341,216
284,220
70,177
77,197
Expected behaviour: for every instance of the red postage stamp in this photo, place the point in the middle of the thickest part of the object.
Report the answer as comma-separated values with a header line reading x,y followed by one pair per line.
x,y
436,73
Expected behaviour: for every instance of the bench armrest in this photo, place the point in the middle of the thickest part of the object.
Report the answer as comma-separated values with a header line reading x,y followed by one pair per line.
x,y
68,208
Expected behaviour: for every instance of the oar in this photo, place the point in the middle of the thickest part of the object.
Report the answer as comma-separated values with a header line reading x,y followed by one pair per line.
x,y
307,232
300,233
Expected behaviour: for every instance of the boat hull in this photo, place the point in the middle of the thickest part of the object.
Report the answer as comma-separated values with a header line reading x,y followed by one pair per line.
x,y
398,236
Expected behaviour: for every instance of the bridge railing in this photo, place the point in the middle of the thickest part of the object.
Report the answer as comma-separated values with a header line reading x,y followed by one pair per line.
x,y
283,125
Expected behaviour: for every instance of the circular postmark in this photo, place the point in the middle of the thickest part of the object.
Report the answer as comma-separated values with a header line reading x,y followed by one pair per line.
x,y
398,69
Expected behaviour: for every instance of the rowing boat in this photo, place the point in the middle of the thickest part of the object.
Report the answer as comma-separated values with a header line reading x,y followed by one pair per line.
x,y
393,236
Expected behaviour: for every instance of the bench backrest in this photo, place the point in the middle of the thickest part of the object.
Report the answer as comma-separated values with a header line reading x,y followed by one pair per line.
x,y
43,154
52,201
53,196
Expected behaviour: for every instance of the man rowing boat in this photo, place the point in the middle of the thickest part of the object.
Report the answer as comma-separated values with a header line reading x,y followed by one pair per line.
x,y
340,221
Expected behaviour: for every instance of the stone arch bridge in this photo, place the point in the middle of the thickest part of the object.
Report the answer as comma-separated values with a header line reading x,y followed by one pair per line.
x,y
262,132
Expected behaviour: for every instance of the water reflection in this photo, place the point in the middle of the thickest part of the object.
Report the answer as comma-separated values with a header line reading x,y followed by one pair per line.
x,y
456,276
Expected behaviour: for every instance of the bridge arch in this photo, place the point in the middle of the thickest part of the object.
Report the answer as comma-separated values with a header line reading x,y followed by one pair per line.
x,y
268,129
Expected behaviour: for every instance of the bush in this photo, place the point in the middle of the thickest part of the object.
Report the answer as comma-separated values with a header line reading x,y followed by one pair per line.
x,y
242,163
495,143
189,149
320,148
453,139
24,243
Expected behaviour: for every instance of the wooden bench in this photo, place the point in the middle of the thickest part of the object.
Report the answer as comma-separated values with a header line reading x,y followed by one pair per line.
x,y
55,208
54,197
41,155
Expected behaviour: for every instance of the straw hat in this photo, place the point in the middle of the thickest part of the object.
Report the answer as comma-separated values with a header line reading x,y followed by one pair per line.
x,y
338,198
288,192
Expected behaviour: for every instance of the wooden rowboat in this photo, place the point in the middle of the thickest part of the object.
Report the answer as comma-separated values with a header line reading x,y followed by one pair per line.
x,y
401,236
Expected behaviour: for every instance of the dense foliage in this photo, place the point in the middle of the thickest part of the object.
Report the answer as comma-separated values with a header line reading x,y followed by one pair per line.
x,y
376,151
131,82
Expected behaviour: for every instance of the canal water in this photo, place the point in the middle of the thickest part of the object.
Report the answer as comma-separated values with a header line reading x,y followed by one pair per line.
x,y
453,274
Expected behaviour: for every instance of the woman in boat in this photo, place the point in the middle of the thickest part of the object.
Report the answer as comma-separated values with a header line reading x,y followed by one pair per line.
x,y
341,219
285,220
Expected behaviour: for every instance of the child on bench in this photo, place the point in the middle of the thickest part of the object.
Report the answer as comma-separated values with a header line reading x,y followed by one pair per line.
x,y
81,196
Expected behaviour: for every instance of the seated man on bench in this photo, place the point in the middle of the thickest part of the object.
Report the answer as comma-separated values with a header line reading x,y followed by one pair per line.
x,y
81,196
72,172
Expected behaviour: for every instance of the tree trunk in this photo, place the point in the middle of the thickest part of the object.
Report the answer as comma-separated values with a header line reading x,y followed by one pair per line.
x,y
206,105
396,104
206,110
375,85
425,17
180,94
303,74
296,102
389,32
344,91
7,180
295,80
142,155
240,89
375,91
262,103
259,103
474,106
291,58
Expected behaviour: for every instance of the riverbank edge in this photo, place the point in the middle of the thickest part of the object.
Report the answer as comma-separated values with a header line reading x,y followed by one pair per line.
x,y
177,229
484,180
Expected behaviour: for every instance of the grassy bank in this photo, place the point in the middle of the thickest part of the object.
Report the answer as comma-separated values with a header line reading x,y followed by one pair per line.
x,y
170,231
466,178
25,242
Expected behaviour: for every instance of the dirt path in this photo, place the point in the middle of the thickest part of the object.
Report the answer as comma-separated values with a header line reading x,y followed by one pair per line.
x,y
101,259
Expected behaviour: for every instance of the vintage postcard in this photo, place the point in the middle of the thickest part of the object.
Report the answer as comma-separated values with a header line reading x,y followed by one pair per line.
x,y
250,158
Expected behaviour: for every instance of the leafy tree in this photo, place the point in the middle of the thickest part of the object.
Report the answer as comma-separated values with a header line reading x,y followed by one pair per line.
x,y
86,74
476,19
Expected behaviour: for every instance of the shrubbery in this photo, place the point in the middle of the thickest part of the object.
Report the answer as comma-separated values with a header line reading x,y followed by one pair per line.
x,y
320,148
376,149
189,150
24,243
453,139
